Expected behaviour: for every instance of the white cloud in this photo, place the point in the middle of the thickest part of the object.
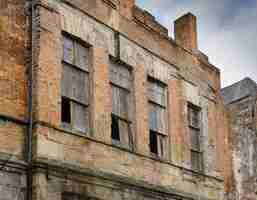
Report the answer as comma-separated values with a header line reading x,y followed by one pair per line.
x,y
227,32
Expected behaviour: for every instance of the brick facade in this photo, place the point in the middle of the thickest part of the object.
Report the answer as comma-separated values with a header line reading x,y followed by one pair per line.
x,y
70,164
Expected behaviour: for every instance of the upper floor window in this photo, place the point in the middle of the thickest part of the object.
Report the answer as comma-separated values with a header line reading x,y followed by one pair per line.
x,y
75,85
157,103
194,123
121,84
3,4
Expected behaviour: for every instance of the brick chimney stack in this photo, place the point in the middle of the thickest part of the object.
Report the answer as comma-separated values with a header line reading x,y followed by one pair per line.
x,y
126,8
186,31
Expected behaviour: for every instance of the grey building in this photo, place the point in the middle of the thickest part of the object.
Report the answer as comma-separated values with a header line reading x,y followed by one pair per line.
x,y
240,99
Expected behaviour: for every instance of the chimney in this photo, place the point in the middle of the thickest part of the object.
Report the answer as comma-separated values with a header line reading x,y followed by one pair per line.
x,y
126,8
186,31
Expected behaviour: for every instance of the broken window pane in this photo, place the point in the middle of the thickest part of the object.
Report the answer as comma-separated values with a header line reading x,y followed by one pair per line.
x,y
157,144
115,128
153,142
66,110
120,107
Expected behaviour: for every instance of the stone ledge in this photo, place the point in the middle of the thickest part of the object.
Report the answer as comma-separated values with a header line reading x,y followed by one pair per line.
x,y
92,139
53,168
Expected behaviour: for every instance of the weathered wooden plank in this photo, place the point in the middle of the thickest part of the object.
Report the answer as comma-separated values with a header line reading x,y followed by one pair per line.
x,y
135,55
195,139
120,75
68,50
193,117
157,93
75,84
86,28
157,119
81,57
191,93
120,102
161,145
124,133
196,161
80,118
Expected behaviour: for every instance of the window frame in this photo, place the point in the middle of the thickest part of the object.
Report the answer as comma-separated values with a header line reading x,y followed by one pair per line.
x,y
195,151
128,121
86,77
161,153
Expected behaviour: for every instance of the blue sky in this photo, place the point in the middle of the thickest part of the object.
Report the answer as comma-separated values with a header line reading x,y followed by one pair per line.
x,y
227,32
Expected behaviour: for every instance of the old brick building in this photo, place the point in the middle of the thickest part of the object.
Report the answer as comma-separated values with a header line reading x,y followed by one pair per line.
x,y
241,102
98,102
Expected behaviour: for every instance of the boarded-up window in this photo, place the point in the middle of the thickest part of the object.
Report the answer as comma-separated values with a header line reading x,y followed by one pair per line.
x,y
75,85
75,54
157,118
121,82
3,4
195,135
157,99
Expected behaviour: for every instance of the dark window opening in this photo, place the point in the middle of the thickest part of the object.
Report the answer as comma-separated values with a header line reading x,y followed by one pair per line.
x,y
115,128
66,110
153,142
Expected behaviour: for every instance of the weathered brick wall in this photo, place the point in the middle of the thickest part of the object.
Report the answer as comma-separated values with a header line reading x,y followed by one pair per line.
x,y
13,81
13,98
13,92
224,151
12,138
244,150
188,77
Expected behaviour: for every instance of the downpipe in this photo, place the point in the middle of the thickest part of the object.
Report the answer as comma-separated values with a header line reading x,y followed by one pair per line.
x,y
31,16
